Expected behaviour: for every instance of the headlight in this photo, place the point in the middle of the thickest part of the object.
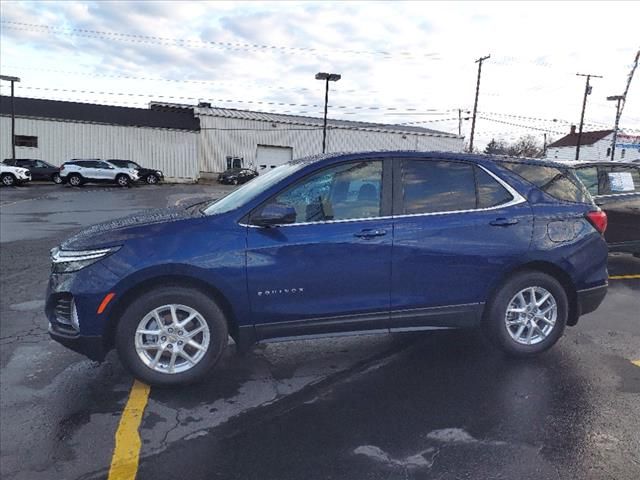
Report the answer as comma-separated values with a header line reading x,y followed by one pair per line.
x,y
65,261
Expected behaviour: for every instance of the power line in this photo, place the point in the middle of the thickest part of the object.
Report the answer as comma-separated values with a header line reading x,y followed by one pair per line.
x,y
527,127
228,100
137,38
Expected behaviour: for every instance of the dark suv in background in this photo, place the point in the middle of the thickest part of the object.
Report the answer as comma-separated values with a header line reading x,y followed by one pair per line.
x,y
615,187
40,170
365,242
147,175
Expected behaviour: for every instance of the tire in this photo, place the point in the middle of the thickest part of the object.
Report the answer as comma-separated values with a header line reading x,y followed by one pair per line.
x,y
151,179
513,332
55,178
123,180
234,181
75,180
139,315
8,179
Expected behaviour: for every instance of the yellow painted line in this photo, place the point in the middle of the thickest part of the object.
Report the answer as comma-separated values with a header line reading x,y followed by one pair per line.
x,y
624,277
636,362
124,463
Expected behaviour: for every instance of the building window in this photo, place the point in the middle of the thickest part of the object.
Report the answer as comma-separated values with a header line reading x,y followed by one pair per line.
x,y
234,162
25,141
608,152
622,153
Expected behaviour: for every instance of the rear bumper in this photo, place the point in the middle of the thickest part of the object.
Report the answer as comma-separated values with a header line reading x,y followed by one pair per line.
x,y
591,298
91,347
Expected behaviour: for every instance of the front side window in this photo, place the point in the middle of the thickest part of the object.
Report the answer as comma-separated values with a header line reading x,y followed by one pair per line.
x,y
437,186
620,179
346,191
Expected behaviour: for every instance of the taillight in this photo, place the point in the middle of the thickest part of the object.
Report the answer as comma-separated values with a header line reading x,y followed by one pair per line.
x,y
598,219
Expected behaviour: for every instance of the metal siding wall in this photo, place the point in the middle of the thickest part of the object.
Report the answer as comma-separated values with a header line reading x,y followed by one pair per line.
x,y
174,152
222,137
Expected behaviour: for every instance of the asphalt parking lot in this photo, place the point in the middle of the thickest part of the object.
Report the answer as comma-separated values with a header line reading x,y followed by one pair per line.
x,y
432,406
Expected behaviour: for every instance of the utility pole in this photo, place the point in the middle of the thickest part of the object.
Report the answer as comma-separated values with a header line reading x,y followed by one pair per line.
x,y
459,122
544,145
587,91
475,105
13,114
619,99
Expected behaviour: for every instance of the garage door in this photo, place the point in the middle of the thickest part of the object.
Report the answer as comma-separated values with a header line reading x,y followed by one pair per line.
x,y
270,157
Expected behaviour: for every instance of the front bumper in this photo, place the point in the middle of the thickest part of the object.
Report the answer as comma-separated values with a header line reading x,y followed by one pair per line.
x,y
591,298
89,346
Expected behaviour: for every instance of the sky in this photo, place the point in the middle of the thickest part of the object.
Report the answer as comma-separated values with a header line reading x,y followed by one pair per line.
x,y
400,62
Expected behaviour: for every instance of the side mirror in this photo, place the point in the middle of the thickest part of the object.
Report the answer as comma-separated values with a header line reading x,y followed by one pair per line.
x,y
274,214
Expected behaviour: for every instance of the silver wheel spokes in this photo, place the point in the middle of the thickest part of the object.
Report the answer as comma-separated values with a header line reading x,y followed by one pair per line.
x,y
531,315
172,338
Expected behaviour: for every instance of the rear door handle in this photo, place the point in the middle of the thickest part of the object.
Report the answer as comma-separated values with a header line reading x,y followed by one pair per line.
x,y
503,222
370,233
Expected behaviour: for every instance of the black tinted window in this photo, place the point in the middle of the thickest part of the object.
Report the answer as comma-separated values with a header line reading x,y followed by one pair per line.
x,y
490,192
560,183
347,191
436,186
619,179
589,178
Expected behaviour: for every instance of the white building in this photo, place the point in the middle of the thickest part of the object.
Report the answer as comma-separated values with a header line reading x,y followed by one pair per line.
x,y
265,140
187,142
594,146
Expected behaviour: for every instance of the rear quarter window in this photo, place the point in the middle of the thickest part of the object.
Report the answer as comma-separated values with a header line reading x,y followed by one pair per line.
x,y
558,182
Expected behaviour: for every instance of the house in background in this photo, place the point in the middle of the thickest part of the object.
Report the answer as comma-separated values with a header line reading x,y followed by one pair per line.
x,y
594,146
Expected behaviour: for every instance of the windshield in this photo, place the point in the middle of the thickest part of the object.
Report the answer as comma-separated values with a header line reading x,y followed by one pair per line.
x,y
250,190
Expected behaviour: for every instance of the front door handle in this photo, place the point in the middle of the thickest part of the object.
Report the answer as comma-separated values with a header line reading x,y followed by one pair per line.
x,y
503,222
370,233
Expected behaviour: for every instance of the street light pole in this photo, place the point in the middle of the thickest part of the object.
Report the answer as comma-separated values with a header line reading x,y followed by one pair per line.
x,y
13,114
327,77
614,98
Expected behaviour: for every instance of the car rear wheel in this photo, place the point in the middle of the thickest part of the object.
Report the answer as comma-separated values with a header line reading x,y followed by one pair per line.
x,y
8,179
75,180
171,336
528,314
55,178
122,180
152,179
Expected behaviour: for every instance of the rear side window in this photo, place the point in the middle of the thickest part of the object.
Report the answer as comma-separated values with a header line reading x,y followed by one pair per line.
x,y
490,192
560,183
589,178
437,186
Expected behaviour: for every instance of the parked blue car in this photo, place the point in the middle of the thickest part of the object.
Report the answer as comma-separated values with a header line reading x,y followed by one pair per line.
x,y
375,242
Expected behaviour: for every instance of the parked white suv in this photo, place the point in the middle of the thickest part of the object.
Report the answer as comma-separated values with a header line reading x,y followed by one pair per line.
x,y
10,175
77,172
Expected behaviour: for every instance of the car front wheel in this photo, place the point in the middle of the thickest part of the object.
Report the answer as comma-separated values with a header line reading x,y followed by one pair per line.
x,y
122,180
8,179
171,336
152,179
55,178
528,314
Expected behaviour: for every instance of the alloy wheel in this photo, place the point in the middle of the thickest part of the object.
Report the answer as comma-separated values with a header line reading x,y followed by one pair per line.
x,y
531,315
172,338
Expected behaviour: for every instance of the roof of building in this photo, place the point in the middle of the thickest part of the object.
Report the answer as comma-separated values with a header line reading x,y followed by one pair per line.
x,y
318,122
177,119
588,138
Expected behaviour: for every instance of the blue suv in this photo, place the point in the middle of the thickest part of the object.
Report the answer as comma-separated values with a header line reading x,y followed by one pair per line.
x,y
358,242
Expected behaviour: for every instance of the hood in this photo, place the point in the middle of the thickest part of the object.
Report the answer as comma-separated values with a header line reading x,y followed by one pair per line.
x,y
119,230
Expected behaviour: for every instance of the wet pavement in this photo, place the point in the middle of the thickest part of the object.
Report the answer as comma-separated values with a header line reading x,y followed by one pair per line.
x,y
438,405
